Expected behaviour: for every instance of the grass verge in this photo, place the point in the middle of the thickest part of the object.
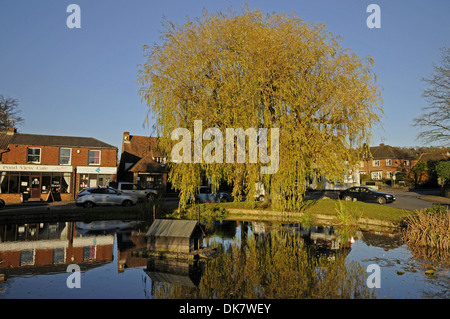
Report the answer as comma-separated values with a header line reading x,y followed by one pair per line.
x,y
328,207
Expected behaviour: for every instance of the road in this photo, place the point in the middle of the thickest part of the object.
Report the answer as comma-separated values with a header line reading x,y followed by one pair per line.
x,y
409,200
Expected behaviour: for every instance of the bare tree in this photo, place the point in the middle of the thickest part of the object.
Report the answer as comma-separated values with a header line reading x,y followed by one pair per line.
x,y
9,114
436,118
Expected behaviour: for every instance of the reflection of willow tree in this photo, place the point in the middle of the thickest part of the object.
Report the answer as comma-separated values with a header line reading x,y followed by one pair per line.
x,y
279,268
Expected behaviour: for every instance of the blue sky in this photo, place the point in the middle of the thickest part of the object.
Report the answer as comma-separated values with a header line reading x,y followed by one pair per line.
x,y
82,82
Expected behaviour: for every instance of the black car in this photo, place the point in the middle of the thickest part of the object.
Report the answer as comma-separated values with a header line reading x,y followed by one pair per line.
x,y
366,194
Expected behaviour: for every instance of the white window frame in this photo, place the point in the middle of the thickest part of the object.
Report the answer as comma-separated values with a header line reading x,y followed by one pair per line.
x,y
99,157
70,156
376,175
376,163
389,162
406,162
40,154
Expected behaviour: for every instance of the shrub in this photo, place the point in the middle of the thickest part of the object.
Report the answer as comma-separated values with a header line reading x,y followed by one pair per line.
x,y
428,228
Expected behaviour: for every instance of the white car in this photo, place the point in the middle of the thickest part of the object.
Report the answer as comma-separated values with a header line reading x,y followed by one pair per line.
x,y
134,189
94,196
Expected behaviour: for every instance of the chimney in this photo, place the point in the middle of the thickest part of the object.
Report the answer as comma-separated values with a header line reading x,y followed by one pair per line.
x,y
126,137
381,144
11,131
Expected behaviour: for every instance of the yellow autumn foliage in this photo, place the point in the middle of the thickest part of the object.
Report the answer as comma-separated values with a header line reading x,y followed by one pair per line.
x,y
246,69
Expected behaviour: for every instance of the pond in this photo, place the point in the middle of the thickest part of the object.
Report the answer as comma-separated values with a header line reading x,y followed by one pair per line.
x,y
253,260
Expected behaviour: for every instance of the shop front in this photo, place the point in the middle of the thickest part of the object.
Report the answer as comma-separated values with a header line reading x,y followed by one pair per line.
x,y
36,182
91,176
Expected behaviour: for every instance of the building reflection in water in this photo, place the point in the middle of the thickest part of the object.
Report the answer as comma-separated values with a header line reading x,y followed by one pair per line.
x,y
39,248
43,248
179,273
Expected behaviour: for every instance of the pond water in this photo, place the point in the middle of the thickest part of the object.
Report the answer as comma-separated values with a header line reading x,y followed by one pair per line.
x,y
34,260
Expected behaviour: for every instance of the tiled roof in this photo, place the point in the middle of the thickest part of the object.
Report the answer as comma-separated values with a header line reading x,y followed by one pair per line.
x,y
140,151
147,164
444,155
5,140
141,145
388,152
52,140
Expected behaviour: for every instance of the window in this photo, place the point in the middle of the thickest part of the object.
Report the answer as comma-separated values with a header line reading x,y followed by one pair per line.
x,y
376,163
94,158
388,162
9,182
88,252
406,162
34,155
93,180
388,175
59,255
27,257
377,175
64,156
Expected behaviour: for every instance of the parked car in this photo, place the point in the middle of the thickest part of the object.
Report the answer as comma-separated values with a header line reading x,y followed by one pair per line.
x,y
94,196
206,196
366,194
134,189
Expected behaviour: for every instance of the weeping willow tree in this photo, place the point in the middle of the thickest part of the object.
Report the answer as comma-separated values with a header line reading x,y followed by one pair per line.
x,y
241,70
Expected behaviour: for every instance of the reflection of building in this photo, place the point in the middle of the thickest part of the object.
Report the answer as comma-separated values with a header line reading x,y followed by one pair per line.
x,y
36,166
178,273
50,244
142,163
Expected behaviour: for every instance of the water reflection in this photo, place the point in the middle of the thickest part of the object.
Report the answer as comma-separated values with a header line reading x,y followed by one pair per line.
x,y
256,260
48,247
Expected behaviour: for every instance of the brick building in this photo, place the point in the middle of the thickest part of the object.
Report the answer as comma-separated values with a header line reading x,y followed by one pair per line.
x,y
142,163
384,161
39,165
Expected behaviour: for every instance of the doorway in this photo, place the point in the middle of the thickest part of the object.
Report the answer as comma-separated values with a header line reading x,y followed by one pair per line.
x,y
35,187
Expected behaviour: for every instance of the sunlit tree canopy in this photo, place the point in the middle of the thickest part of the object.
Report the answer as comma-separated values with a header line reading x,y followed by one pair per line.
x,y
250,70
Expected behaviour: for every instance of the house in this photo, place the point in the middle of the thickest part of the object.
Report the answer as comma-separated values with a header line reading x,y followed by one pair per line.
x,y
182,236
142,163
384,161
37,166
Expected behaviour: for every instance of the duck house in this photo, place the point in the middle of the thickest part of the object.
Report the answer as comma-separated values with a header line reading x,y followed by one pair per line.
x,y
183,236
